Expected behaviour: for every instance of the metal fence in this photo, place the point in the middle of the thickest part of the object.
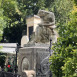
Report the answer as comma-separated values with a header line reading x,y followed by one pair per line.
x,y
8,74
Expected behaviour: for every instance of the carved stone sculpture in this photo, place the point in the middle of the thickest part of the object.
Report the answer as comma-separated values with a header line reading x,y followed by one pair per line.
x,y
47,19
45,30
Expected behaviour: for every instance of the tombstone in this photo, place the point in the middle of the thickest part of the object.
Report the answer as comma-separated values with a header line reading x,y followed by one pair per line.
x,y
24,39
35,54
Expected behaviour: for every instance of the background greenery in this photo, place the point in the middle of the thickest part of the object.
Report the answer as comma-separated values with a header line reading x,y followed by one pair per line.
x,y
64,58
13,21
14,13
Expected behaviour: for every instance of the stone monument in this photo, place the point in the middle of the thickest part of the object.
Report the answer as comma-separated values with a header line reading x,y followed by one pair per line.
x,y
45,30
34,57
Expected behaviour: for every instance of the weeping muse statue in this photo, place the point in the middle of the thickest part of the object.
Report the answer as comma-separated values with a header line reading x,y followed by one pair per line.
x,y
45,31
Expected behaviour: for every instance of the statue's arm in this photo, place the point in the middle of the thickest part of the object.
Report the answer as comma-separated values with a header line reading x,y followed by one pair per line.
x,y
49,24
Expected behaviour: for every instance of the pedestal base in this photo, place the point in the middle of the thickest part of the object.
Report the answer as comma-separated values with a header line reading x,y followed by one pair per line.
x,y
35,57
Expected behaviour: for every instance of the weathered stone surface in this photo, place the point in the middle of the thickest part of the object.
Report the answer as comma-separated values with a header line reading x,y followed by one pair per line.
x,y
23,74
47,18
45,31
36,45
36,54
24,40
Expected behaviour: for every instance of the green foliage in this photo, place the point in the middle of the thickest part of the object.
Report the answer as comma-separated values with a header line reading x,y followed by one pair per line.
x,y
75,2
64,57
12,62
61,9
14,33
15,12
9,7
15,24
2,21
2,59
30,7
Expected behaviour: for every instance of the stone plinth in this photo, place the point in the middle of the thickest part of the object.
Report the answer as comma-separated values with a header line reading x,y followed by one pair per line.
x,y
34,57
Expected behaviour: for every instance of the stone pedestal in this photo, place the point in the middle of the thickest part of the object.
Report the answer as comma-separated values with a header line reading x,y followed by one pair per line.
x,y
34,57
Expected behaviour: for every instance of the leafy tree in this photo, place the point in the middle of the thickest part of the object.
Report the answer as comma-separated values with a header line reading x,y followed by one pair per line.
x,y
15,12
13,34
64,58
61,9
30,7
2,21
14,22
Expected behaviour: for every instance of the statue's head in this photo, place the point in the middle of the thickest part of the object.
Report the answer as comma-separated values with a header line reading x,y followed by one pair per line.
x,y
42,13
46,14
